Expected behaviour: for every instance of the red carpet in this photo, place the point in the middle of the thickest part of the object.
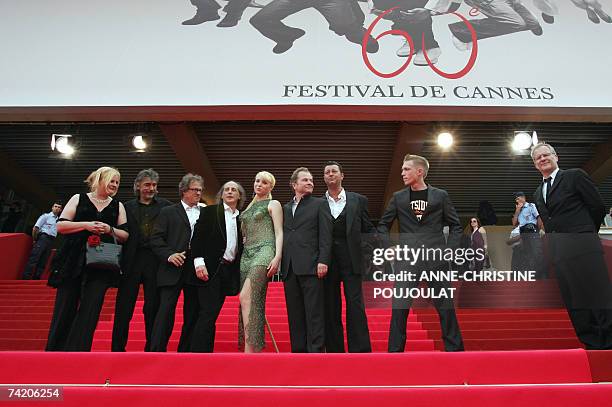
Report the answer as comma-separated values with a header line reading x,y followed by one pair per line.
x,y
546,395
520,378
26,307
412,368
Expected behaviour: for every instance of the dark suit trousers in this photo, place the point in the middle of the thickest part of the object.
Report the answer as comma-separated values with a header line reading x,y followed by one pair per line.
x,y
210,298
85,321
417,29
235,8
164,320
503,17
585,288
341,15
38,257
451,334
304,296
206,6
144,271
358,335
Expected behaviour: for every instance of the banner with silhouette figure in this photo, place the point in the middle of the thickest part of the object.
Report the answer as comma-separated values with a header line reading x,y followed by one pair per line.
x,y
529,53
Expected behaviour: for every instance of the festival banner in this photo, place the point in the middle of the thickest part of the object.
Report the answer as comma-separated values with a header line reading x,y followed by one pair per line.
x,y
496,53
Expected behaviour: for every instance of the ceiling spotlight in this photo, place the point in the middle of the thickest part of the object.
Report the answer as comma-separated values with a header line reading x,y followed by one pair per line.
x,y
61,143
445,140
139,141
534,138
522,141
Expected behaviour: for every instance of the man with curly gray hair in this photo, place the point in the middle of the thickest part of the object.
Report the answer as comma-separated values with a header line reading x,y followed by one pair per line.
x,y
171,242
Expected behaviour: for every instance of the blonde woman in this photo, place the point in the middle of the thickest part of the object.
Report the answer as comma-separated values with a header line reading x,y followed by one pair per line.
x,y
81,290
262,229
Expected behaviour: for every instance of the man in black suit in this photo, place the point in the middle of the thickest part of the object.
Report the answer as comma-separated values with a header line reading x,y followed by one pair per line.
x,y
216,247
171,244
307,231
138,262
345,18
572,209
349,211
422,211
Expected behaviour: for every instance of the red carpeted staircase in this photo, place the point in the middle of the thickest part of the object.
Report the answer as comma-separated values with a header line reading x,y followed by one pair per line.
x,y
26,308
417,378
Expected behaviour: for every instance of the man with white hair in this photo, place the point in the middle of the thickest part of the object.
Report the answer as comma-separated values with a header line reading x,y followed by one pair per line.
x,y
572,210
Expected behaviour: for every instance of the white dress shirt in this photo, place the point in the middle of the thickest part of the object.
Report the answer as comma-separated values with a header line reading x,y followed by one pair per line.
x,y
336,207
552,181
193,214
294,205
231,231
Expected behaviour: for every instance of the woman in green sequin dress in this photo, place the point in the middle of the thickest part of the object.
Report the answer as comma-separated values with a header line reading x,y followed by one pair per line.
x,y
262,230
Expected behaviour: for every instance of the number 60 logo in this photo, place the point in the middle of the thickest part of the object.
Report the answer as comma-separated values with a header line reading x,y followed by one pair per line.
x,y
456,75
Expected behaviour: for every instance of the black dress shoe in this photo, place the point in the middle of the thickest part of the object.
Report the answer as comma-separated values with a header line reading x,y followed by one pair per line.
x,y
371,46
284,46
201,17
548,18
281,47
228,22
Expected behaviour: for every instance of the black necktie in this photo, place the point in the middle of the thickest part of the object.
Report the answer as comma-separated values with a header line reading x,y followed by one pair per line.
x,y
548,182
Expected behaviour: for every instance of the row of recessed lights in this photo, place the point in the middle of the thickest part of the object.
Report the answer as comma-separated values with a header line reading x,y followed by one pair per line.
x,y
62,143
140,141
521,143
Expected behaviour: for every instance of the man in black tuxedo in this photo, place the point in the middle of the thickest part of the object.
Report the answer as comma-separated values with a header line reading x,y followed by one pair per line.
x,y
216,247
349,211
171,243
422,211
572,210
307,232
138,262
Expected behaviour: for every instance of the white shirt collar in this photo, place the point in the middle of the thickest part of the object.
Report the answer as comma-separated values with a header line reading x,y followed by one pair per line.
x,y
227,208
341,195
552,176
187,207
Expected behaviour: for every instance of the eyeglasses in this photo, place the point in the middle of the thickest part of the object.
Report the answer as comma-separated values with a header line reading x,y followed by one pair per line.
x,y
199,190
474,221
